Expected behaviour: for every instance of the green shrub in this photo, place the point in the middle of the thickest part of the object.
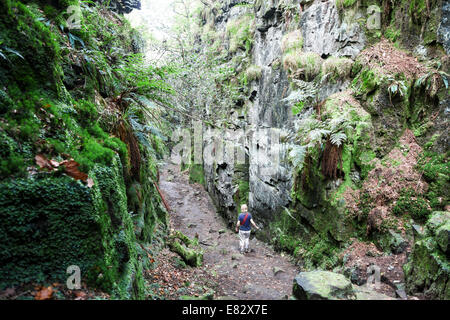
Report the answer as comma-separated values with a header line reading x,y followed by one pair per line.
x,y
412,203
436,171
12,165
309,63
345,3
253,72
337,68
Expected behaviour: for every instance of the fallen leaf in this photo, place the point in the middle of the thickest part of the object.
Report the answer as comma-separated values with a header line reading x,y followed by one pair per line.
x,y
43,162
44,294
71,167
80,295
54,163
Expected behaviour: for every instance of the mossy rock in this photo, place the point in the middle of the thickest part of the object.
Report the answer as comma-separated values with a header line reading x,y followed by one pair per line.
x,y
391,241
322,285
428,270
436,220
443,238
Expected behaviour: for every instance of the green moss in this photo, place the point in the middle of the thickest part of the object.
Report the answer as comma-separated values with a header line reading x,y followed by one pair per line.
x,y
412,203
366,82
196,174
240,32
12,165
416,8
253,72
392,33
244,189
436,171
65,222
345,3
47,225
427,270
285,232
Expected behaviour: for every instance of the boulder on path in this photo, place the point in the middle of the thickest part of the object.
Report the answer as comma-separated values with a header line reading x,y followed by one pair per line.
x,y
322,285
277,270
367,293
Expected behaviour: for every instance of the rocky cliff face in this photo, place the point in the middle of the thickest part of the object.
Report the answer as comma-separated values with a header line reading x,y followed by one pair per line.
x,y
345,87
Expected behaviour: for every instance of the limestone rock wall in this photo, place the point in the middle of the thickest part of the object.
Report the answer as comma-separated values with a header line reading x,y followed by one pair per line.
x,y
360,72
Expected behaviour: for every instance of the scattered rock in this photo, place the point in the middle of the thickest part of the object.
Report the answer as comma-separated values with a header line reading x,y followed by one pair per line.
x,y
437,219
222,231
191,225
443,238
401,294
397,243
418,231
322,285
226,298
356,274
367,293
209,295
426,271
236,256
371,253
277,270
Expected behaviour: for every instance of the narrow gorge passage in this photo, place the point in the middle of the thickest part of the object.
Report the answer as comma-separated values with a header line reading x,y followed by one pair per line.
x,y
261,274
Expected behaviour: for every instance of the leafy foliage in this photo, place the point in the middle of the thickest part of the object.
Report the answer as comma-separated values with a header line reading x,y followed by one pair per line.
x,y
432,82
397,87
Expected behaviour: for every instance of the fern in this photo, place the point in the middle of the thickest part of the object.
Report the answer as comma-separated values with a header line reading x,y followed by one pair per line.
x,y
338,138
431,81
397,87
4,49
339,123
306,92
317,134
297,156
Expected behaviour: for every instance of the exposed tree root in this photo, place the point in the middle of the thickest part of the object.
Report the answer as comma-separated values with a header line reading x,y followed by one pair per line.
x,y
192,257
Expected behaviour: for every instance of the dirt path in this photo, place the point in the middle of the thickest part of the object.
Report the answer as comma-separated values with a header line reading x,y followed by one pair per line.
x,y
260,274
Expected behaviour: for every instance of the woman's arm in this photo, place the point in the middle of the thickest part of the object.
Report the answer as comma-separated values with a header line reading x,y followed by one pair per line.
x,y
253,223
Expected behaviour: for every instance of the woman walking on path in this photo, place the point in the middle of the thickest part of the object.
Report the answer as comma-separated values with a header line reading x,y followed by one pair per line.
x,y
244,228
